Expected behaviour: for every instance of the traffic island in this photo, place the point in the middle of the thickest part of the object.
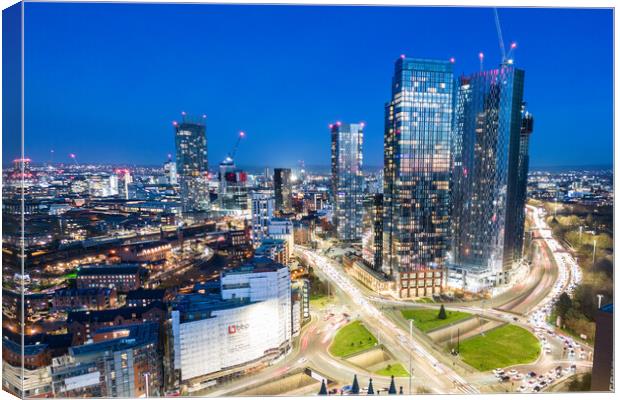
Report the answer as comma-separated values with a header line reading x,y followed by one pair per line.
x,y
350,339
499,348
427,320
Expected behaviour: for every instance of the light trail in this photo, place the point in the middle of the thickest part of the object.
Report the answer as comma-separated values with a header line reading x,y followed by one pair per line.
x,y
358,298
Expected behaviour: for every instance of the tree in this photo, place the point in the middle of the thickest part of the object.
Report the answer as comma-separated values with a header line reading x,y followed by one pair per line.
x,y
563,304
442,313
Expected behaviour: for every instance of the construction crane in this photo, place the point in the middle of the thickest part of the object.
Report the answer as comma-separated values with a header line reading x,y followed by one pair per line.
x,y
231,155
506,58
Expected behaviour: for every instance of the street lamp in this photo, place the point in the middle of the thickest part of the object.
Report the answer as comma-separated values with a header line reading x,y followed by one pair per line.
x,y
600,298
594,251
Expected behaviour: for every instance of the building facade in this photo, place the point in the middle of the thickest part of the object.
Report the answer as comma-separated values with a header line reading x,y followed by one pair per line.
x,y
418,122
372,243
249,321
263,207
347,179
191,165
490,164
124,362
283,188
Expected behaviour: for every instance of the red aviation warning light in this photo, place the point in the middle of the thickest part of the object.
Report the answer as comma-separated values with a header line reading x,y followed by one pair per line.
x,y
452,60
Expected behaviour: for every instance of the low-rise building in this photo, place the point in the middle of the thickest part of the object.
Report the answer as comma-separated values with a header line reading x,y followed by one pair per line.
x,y
83,324
276,249
144,297
121,362
87,299
375,280
122,277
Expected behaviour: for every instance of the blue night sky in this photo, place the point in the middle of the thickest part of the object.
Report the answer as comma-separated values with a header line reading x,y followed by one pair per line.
x,y
105,81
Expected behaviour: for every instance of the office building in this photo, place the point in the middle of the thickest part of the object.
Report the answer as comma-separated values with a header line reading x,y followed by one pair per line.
x,y
490,158
120,362
191,164
263,207
418,122
170,172
282,228
347,179
233,190
246,325
283,188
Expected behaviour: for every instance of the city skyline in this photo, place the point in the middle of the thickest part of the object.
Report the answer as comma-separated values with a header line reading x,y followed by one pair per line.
x,y
214,83
142,258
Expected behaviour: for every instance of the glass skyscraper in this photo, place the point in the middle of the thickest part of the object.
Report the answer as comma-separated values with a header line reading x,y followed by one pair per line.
x,y
418,123
489,172
347,179
191,157
283,189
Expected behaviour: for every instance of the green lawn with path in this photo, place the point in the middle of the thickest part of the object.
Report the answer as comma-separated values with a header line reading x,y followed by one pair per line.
x,y
393,369
501,347
427,319
350,339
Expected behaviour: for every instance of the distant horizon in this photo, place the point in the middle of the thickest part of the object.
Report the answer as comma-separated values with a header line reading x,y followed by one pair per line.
x,y
307,167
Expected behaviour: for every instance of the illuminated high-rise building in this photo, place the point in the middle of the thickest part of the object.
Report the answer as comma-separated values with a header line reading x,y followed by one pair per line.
x,y
283,189
263,205
490,163
347,179
191,148
170,171
418,122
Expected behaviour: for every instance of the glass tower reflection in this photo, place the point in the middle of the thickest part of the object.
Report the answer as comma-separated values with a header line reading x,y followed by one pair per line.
x,y
418,123
489,171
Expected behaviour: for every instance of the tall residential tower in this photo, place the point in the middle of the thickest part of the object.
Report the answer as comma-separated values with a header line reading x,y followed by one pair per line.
x,y
491,135
191,148
418,123
347,179
283,189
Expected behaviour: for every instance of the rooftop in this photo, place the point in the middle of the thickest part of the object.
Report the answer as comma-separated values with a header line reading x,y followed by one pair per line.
x,y
256,265
110,315
98,269
138,335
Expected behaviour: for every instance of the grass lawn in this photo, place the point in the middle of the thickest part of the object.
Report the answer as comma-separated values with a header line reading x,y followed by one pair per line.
x,y
425,300
319,301
426,320
501,347
394,369
350,339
